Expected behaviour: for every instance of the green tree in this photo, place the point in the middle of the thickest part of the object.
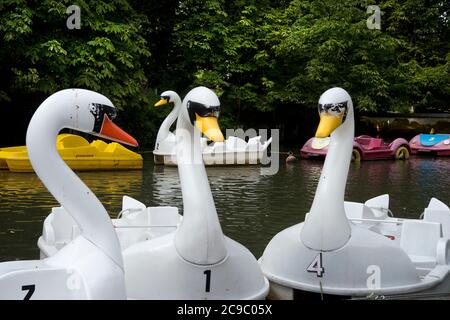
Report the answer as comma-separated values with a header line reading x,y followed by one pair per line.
x,y
423,26
265,59
221,44
326,44
40,55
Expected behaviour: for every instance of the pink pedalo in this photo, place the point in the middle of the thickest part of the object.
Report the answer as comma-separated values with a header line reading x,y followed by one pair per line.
x,y
436,144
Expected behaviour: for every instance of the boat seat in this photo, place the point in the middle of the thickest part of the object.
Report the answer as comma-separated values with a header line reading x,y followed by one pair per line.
x,y
254,143
219,146
419,239
440,216
369,142
60,228
379,206
235,144
375,143
363,141
356,210
163,220
443,251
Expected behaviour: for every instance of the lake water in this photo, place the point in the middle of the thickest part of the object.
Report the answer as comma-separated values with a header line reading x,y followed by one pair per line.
x,y
252,208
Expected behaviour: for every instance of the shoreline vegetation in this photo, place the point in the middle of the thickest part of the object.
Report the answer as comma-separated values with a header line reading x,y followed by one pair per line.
x,y
268,61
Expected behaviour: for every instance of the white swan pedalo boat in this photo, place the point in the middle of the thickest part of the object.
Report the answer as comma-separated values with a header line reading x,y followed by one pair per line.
x,y
232,151
169,257
90,266
366,253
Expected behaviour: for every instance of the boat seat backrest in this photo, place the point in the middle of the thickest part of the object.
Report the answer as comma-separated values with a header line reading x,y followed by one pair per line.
x,y
439,216
163,219
235,143
219,146
369,143
443,251
254,140
420,238
363,141
164,216
64,225
355,210
379,206
375,143
254,144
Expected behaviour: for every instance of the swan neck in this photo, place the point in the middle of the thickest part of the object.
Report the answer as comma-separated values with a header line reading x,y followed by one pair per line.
x,y
326,227
199,238
164,129
65,186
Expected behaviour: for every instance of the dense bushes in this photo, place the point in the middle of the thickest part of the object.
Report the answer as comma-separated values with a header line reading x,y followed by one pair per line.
x,y
264,58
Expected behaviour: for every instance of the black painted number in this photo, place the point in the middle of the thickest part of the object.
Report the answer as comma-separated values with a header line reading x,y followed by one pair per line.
x,y
208,280
30,288
316,266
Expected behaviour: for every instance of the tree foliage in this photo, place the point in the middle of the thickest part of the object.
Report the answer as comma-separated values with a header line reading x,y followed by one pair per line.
x,y
262,57
40,55
268,54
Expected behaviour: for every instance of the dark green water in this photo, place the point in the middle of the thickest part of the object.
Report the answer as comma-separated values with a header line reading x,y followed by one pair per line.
x,y
252,208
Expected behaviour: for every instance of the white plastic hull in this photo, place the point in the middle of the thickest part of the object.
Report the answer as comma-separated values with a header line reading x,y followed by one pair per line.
x,y
281,292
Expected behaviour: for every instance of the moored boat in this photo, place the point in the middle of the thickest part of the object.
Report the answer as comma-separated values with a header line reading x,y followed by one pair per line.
x,y
78,153
435,144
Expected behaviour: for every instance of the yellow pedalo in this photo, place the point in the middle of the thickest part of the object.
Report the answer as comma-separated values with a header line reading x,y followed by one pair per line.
x,y
79,155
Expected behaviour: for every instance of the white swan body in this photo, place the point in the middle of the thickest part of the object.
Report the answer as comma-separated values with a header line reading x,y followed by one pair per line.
x,y
371,254
232,151
196,261
90,266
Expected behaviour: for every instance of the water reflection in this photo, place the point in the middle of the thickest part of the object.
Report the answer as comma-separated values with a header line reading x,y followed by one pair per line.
x,y
25,203
252,208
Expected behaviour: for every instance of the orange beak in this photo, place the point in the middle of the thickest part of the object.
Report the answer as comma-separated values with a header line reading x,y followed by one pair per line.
x,y
113,132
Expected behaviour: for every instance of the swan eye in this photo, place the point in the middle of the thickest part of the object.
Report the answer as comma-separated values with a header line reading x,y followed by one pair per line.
x,y
334,109
93,108
202,110
167,98
99,111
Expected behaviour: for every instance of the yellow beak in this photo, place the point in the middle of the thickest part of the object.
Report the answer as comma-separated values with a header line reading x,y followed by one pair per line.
x,y
209,127
328,123
161,102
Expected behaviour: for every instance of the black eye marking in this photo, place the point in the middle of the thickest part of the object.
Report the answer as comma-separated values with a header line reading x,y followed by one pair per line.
x,y
99,111
336,108
333,107
167,98
202,110
94,109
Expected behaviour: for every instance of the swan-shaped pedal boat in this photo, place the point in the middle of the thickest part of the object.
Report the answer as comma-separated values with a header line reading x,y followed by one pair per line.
x,y
348,250
90,266
232,151
79,155
169,257
196,261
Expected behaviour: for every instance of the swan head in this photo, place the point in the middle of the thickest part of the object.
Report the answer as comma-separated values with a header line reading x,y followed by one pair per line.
x,y
90,112
334,106
202,108
167,97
